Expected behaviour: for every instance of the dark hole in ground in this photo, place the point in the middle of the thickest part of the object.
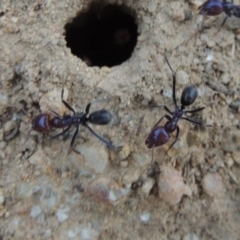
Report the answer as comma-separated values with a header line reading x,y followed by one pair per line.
x,y
105,35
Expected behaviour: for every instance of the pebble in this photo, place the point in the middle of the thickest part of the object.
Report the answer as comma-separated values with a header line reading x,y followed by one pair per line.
x,y
2,144
177,11
3,103
129,177
1,196
147,186
52,101
37,158
141,159
47,233
125,152
231,140
107,190
212,184
171,186
145,217
10,130
35,211
191,236
182,77
24,190
62,213
89,234
236,157
1,134
95,158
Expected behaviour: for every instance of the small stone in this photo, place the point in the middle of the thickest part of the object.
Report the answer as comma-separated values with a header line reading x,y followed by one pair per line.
x,y
37,158
231,140
147,186
89,234
225,78
1,134
171,186
212,184
95,158
145,217
141,160
182,77
9,125
3,103
177,11
47,233
129,177
190,236
49,199
124,163
1,196
124,153
62,213
75,231
24,190
236,157
52,100
10,130
35,211
2,144
106,189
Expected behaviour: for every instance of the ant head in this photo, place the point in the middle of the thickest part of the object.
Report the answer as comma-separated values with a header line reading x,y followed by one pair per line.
x,y
101,117
189,95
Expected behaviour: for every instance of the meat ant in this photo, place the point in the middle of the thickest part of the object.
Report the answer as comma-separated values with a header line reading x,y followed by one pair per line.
x,y
216,7
161,134
43,122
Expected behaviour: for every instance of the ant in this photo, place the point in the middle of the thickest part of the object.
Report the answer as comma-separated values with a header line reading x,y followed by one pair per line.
x,y
216,7
43,122
161,134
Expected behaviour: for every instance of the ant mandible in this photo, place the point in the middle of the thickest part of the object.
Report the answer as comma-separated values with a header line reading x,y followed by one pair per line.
x,y
161,134
43,122
216,7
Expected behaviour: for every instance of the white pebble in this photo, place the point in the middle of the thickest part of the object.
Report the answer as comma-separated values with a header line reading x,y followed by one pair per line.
x,y
35,211
89,234
145,217
62,213
212,184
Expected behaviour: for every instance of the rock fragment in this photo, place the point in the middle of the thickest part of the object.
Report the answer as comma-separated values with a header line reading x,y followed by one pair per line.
x,y
212,184
171,186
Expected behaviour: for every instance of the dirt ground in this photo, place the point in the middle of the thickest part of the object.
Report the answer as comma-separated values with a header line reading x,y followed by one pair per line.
x,y
192,192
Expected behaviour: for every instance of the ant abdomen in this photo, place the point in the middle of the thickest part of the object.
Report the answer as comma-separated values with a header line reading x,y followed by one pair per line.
x,y
101,117
189,95
157,137
41,123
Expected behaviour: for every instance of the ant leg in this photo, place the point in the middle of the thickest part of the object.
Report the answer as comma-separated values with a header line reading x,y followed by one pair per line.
x,y
100,138
195,110
174,83
178,130
74,136
87,108
152,155
61,133
192,121
55,113
167,109
165,116
66,104
224,21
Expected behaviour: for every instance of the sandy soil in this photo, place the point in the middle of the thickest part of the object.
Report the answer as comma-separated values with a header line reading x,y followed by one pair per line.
x,y
48,193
